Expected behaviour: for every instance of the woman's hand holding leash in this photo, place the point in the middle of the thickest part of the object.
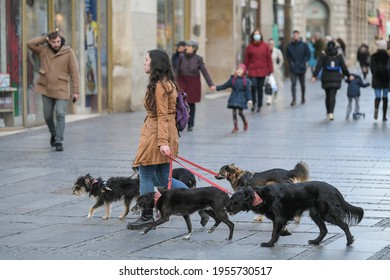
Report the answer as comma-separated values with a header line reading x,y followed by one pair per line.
x,y
165,150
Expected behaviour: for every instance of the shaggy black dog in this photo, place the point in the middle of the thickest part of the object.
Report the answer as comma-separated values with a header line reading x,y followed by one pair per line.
x,y
106,192
281,202
184,202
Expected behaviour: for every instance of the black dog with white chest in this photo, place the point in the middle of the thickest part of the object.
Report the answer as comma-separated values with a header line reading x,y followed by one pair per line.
x,y
281,202
184,202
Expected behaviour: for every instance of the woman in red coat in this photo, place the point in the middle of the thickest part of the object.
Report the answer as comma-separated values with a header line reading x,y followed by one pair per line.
x,y
258,61
188,71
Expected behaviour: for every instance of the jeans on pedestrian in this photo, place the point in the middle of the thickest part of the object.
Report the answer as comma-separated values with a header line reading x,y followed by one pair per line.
x,y
294,78
378,92
156,175
57,127
330,100
257,87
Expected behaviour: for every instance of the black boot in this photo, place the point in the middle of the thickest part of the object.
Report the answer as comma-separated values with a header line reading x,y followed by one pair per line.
x,y
384,108
376,106
204,218
303,98
145,219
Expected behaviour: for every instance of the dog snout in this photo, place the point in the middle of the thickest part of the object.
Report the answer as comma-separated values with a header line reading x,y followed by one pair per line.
x,y
219,177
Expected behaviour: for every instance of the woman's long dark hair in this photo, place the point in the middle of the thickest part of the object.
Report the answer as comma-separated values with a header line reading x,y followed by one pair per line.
x,y
160,70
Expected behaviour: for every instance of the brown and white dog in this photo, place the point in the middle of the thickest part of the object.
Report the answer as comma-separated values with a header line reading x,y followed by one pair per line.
x,y
240,178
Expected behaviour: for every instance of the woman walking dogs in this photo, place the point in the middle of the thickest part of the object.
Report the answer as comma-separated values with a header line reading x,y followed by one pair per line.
x,y
159,135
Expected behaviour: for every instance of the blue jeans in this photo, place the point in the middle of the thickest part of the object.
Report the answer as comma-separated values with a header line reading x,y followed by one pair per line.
x,y
378,92
56,127
158,173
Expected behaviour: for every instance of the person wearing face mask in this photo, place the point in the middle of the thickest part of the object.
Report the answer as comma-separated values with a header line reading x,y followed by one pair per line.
x,y
257,60
298,55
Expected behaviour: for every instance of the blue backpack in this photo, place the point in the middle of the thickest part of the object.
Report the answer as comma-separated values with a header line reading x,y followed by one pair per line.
x,y
182,111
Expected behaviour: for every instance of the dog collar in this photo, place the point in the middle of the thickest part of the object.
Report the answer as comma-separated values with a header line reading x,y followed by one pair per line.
x,y
256,199
157,195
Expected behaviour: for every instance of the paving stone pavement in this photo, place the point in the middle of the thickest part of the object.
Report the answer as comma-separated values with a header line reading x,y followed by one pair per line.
x,y
41,219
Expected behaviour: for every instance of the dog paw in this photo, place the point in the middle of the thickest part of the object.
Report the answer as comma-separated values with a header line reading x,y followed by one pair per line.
x,y
105,217
314,242
211,229
89,216
285,232
187,237
350,241
228,238
297,219
258,218
142,232
121,218
266,244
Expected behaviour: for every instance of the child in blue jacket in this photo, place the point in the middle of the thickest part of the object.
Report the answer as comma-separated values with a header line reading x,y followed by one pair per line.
x,y
353,93
240,97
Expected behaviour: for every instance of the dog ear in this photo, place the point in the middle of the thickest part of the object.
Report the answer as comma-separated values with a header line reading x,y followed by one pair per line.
x,y
248,194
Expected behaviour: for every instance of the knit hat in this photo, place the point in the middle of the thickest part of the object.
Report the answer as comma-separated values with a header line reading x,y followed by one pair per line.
x,y
381,44
193,44
243,73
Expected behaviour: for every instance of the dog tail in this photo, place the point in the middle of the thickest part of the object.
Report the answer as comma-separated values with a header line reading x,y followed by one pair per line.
x,y
354,214
300,173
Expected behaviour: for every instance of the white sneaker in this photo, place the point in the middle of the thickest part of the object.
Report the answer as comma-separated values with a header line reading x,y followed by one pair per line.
x,y
330,117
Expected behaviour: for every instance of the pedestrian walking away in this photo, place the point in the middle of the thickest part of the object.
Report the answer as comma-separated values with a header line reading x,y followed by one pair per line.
x,y
240,97
298,55
353,94
190,65
277,64
258,62
363,57
333,68
58,63
380,69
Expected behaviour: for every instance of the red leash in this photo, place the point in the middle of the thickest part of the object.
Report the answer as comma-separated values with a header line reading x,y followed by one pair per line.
x,y
193,172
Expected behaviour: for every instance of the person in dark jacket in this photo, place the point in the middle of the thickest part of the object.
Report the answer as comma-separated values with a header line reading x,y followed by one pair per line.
x,y
363,57
353,93
258,61
180,48
188,70
333,67
380,69
241,95
298,55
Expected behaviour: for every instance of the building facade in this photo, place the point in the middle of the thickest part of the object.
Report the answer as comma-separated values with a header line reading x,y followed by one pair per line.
x,y
111,38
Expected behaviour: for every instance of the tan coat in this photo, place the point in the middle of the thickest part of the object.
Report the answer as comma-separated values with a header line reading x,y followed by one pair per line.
x,y
56,68
159,129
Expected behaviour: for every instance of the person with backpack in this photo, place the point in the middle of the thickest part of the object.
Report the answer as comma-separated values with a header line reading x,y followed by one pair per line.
x,y
333,68
380,77
159,135
240,97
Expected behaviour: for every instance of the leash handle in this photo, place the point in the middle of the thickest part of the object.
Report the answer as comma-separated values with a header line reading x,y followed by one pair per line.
x,y
196,173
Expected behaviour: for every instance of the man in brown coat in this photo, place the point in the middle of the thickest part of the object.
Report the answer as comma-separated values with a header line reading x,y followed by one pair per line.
x,y
58,63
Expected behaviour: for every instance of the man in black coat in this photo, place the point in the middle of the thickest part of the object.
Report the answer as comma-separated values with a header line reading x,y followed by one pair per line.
x,y
298,54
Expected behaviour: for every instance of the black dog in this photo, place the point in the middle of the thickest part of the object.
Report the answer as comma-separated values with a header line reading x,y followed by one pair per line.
x,y
281,202
184,202
185,176
239,178
106,192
